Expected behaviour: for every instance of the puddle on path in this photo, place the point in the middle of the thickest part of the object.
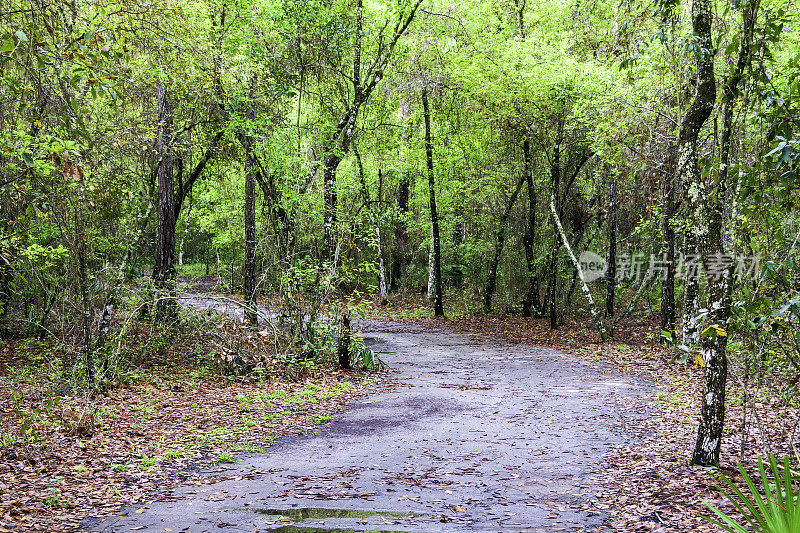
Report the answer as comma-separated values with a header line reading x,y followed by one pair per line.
x,y
301,529
316,513
299,514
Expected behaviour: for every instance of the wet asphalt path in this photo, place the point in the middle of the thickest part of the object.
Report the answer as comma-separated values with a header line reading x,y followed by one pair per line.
x,y
476,437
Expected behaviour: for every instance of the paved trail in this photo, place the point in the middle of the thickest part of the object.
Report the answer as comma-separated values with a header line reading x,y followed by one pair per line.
x,y
477,437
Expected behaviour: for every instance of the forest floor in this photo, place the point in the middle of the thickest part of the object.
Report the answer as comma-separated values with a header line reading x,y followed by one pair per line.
x,y
647,485
173,420
177,423
484,435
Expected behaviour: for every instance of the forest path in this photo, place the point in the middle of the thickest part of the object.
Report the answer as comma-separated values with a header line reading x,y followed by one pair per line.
x,y
477,436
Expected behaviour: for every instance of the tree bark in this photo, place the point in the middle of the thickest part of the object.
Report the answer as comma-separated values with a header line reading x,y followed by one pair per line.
x,y
555,178
611,272
185,233
691,291
164,268
709,209
375,221
400,250
438,308
531,304
250,277
668,250
491,279
712,416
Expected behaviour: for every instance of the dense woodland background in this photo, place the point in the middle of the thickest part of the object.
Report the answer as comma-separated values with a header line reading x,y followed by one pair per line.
x,y
311,153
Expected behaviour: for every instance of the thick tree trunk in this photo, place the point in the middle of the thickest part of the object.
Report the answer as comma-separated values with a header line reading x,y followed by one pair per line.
x,y
491,279
710,204
438,308
531,304
250,277
691,291
611,262
709,436
164,268
668,250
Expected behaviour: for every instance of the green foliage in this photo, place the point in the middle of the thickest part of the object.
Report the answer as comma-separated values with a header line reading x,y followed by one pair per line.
x,y
778,511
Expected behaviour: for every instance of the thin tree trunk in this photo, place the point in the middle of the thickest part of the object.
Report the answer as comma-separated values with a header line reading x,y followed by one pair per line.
x,y
555,176
431,268
185,233
668,251
86,304
250,277
343,342
458,240
400,254
375,221
531,304
164,268
598,322
611,272
400,250
574,280
437,253
491,279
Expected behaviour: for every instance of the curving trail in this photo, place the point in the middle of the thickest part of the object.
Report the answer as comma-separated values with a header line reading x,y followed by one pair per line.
x,y
476,437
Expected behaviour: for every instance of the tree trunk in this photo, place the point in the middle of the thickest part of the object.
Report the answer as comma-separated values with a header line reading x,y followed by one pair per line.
x,y
164,268
437,253
375,221
330,214
691,291
86,304
709,436
343,342
668,251
185,233
250,277
598,322
555,177
531,304
711,208
611,262
400,250
458,240
431,268
491,279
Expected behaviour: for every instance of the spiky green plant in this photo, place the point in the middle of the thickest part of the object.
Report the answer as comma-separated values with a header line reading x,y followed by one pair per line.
x,y
777,512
